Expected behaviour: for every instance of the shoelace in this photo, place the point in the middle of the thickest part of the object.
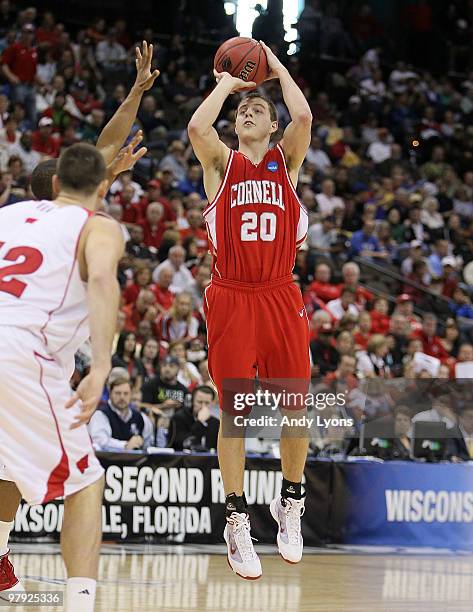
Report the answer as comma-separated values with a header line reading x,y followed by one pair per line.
x,y
242,536
293,510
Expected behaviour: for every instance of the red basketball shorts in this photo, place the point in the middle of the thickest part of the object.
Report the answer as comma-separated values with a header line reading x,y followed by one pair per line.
x,y
258,329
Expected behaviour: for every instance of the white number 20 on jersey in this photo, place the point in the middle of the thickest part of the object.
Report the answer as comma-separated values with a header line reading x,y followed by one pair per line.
x,y
267,226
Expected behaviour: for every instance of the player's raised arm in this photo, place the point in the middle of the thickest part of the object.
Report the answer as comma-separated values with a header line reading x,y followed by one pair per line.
x,y
297,135
101,248
209,149
117,129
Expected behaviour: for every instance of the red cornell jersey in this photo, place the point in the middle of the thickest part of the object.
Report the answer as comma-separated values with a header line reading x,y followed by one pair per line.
x,y
256,222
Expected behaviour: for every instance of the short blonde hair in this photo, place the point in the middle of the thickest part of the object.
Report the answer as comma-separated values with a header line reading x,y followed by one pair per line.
x,y
376,342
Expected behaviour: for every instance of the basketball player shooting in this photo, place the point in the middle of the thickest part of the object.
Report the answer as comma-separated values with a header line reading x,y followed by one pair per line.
x,y
255,315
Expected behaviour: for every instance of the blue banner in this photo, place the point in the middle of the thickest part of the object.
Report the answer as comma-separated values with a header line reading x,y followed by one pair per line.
x,y
404,504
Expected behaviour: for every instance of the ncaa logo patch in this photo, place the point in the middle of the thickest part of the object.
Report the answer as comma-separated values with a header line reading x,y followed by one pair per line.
x,y
272,166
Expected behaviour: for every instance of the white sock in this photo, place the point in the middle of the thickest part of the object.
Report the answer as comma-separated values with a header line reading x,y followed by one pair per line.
x,y
80,594
5,528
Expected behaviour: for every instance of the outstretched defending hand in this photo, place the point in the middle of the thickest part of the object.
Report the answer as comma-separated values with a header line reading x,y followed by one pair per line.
x,y
88,393
274,65
236,83
127,157
144,77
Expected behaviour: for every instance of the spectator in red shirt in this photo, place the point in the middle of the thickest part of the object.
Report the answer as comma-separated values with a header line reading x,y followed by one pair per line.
x,y
48,33
154,194
43,140
313,304
84,101
97,30
164,296
431,343
319,318
10,134
420,276
363,334
344,376
153,226
405,307
451,337
179,323
143,309
380,317
19,62
131,212
351,276
450,276
321,286
122,35
141,280
195,229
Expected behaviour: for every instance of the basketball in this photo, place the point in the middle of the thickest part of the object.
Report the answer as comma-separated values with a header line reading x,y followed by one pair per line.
x,y
244,58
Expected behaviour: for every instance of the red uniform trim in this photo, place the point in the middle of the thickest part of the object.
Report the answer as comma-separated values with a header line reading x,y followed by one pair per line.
x,y
222,185
59,475
206,313
291,184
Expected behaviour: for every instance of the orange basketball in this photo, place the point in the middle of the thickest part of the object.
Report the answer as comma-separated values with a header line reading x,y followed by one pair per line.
x,y
242,57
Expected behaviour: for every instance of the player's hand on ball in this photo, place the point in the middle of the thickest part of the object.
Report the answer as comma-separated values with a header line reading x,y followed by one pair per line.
x,y
88,393
236,83
274,65
144,77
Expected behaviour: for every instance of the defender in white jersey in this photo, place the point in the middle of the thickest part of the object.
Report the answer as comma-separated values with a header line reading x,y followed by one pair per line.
x,y
58,264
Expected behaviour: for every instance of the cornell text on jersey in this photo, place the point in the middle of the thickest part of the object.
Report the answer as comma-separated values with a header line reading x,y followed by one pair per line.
x,y
256,192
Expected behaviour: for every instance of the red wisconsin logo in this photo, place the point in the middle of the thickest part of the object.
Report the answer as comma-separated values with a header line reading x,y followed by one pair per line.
x,y
83,464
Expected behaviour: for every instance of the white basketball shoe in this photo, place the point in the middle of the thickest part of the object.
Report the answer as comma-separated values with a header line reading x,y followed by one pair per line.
x,y
287,515
241,554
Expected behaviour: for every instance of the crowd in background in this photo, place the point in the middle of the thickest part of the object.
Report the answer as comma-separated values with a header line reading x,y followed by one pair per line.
x,y
387,182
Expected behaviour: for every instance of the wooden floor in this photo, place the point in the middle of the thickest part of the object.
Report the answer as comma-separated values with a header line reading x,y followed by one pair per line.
x,y
197,578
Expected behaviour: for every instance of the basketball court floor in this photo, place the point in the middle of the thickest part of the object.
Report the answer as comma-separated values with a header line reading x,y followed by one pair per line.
x,y
185,577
